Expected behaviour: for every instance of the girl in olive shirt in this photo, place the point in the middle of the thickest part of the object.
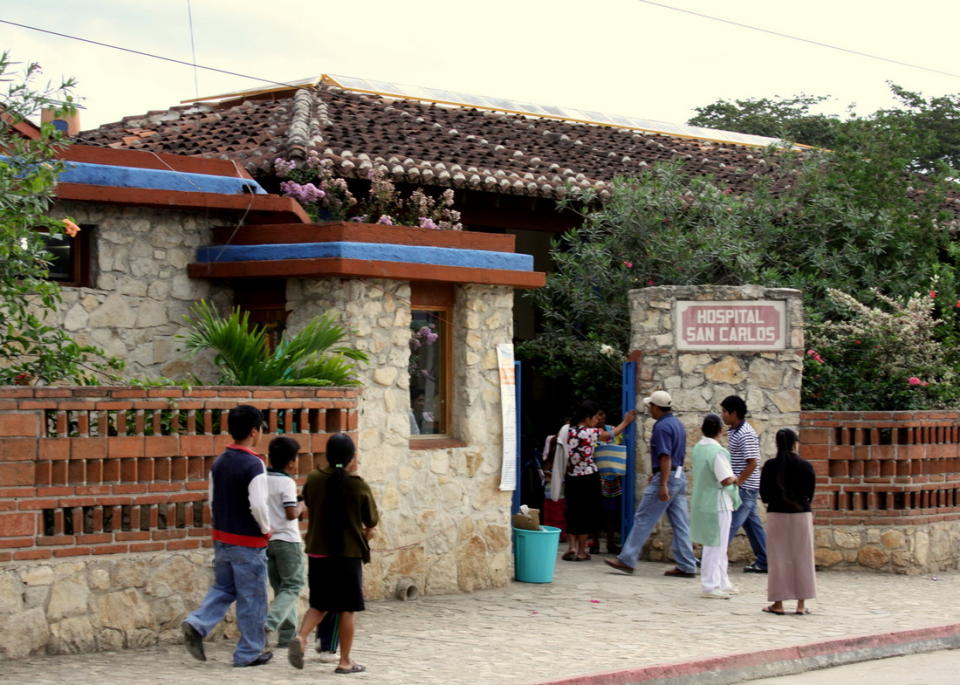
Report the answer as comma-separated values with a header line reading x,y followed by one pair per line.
x,y
343,515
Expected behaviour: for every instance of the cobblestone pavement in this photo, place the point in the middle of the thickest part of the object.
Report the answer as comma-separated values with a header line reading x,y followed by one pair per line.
x,y
589,620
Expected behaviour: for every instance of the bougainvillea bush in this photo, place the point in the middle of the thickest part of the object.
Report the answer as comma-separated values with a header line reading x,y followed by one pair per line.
x,y
884,358
328,197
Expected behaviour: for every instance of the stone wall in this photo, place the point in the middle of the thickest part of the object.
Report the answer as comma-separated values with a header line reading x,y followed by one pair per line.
x,y
101,603
888,488
699,380
104,517
140,290
445,524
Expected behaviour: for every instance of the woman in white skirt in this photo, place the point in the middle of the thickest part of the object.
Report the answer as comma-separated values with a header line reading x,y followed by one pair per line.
x,y
787,483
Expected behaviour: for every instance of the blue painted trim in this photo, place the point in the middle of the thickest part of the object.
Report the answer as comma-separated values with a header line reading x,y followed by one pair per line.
x,y
628,401
156,179
378,252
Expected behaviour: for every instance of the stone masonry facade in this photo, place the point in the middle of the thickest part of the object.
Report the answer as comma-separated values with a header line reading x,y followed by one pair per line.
x,y
140,290
698,381
445,525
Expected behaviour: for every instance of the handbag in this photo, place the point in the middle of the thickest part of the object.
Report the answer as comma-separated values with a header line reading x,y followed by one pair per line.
x,y
611,459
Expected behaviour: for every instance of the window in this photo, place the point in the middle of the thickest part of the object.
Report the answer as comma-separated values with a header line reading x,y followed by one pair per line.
x,y
266,303
430,359
69,257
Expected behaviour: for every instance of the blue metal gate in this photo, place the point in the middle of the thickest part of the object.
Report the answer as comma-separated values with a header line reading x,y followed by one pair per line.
x,y
628,401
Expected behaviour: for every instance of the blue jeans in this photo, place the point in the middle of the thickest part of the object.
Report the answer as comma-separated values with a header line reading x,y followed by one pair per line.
x,y
748,517
239,575
650,511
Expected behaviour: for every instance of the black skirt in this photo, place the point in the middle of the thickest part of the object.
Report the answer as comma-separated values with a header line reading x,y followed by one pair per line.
x,y
336,584
584,503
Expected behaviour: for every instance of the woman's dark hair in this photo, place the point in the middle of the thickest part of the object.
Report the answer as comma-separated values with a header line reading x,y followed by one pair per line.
x,y
586,409
786,441
340,452
711,425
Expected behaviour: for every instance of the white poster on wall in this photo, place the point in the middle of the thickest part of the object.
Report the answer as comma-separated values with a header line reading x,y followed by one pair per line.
x,y
508,413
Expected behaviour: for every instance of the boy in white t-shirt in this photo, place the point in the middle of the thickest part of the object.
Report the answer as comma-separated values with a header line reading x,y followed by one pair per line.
x,y
285,550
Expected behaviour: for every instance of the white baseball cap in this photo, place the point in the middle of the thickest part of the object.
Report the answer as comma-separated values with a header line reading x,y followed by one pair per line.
x,y
661,398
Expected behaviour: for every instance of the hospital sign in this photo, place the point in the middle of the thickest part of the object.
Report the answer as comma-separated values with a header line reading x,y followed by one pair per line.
x,y
745,325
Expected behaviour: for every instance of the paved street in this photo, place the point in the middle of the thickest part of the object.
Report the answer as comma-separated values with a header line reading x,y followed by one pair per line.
x,y
589,620
931,668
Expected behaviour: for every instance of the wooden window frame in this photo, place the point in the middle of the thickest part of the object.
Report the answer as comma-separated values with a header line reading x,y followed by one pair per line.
x,y
439,298
81,257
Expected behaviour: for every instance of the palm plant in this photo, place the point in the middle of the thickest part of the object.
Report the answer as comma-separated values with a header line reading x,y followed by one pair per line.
x,y
243,355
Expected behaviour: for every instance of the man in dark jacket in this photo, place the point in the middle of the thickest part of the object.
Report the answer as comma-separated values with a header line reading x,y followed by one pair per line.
x,y
241,526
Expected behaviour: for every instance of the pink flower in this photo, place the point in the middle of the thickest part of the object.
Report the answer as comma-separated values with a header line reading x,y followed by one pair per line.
x,y
958,304
385,219
650,281
629,265
427,222
913,380
933,293
856,342
815,356
70,228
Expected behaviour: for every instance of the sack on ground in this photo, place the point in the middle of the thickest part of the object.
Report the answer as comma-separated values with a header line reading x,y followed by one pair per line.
x,y
611,460
527,519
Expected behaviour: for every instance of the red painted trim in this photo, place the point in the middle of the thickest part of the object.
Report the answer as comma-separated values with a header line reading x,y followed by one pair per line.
x,y
24,127
402,271
140,159
277,207
239,540
364,233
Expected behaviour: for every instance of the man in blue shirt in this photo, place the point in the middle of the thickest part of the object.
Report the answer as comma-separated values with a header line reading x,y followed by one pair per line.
x,y
666,492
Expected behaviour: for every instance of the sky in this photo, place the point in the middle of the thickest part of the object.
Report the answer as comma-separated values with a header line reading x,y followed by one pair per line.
x,y
625,57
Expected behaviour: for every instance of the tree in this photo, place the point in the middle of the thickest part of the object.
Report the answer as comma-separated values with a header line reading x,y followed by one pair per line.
x,y
31,349
853,219
788,119
311,357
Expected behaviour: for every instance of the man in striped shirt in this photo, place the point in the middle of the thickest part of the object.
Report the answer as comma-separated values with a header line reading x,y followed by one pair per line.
x,y
744,447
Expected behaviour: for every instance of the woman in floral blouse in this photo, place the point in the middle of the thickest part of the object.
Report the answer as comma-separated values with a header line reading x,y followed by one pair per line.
x,y
582,478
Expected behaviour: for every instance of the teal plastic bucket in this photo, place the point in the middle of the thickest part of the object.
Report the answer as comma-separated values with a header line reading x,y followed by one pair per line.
x,y
535,554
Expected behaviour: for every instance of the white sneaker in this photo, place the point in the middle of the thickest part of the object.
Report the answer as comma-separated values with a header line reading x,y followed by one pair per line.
x,y
326,657
715,594
732,590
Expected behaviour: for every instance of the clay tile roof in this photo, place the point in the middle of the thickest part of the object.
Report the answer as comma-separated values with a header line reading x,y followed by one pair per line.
x,y
428,144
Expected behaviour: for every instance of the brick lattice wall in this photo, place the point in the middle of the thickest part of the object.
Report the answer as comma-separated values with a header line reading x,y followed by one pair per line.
x,y
107,470
883,468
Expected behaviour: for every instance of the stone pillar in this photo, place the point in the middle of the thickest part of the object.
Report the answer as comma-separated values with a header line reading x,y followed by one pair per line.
x,y
698,379
445,524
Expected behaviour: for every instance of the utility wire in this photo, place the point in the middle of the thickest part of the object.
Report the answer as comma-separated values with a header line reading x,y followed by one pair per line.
x,y
193,51
798,38
149,54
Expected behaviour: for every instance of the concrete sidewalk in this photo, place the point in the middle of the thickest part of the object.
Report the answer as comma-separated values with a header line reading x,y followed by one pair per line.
x,y
591,625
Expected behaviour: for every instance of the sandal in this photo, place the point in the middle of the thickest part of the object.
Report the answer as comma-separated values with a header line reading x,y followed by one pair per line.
x,y
771,610
802,612
354,668
585,557
569,556
295,653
